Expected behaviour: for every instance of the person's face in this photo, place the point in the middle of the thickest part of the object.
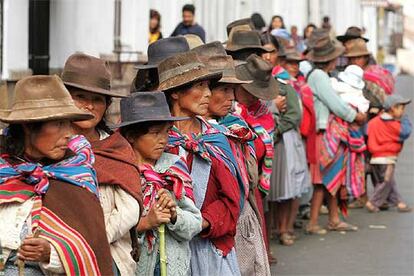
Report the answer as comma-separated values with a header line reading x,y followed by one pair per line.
x,y
188,18
244,97
309,31
270,57
50,141
397,111
153,23
360,61
150,146
292,67
91,102
194,100
294,30
277,23
221,100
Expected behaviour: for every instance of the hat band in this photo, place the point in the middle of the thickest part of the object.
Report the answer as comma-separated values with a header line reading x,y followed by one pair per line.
x,y
179,70
86,80
327,49
43,103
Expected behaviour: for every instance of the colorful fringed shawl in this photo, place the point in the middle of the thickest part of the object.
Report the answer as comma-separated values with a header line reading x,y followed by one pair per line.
x,y
23,181
210,143
342,158
260,119
175,179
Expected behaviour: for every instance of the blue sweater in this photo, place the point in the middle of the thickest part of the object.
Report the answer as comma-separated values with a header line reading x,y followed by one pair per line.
x,y
196,29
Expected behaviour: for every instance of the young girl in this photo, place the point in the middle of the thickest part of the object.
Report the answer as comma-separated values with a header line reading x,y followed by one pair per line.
x,y
146,121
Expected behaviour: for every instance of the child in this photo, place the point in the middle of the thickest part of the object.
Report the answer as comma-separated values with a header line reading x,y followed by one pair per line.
x,y
386,134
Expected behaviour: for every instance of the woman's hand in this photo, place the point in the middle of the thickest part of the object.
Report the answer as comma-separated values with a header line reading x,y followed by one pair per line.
x,y
280,103
34,250
156,217
165,201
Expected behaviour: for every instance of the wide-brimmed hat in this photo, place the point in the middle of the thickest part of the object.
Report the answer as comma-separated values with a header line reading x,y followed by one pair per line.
x,y
43,98
264,86
246,22
146,107
242,40
193,40
352,33
164,48
316,35
353,75
356,48
183,69
324,49
88,73
214,56
4,100
292,54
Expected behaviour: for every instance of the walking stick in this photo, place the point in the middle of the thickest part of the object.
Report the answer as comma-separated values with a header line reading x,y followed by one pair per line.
x,y
20,263
163,257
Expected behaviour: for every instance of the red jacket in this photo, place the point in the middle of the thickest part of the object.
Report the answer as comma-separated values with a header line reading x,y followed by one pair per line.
x,y
221,205
386,135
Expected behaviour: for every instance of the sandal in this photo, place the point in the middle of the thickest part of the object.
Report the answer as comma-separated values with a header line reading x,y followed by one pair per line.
x,y
371,207
357,204
403,208
286,239
342,226
315,230
292,235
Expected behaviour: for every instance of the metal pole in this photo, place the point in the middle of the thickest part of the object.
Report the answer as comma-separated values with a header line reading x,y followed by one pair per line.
x,y
117,25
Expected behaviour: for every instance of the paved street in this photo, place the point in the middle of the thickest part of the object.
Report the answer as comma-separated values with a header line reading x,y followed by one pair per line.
x,y
388,250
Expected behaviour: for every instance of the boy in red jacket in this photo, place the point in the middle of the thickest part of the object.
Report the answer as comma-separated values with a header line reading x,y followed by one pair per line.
x,y
386,134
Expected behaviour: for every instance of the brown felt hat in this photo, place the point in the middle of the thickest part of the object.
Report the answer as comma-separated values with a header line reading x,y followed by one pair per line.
x,y
264,86
43,98
324,49
243,39
292,54
4,100
183,69
88,73
247,24
352,32
356,48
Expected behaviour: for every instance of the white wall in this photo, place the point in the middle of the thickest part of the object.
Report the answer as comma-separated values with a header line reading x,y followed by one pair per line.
x,y
15,36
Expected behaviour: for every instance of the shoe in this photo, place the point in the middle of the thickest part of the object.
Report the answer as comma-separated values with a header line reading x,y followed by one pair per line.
x,y
315,230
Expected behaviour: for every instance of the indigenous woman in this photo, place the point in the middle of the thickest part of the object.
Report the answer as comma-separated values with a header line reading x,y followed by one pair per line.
x,y
146,120
51,218
185,80
324,54
251,107
250,246
290,178
89,82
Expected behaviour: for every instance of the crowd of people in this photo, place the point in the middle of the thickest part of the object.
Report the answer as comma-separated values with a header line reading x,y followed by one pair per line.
x,y
218,150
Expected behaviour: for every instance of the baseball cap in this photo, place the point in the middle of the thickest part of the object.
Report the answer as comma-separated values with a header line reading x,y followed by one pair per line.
x,y
395,99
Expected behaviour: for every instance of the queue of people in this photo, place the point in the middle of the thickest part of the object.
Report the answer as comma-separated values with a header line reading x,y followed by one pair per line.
x,y
216,149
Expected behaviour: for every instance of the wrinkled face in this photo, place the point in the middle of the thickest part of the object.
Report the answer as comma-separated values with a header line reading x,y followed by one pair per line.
x,y
153,24
270,57
277,23
50,141
194,100
91,102
221,100
292,67
188,18
149,146
397,111
244,97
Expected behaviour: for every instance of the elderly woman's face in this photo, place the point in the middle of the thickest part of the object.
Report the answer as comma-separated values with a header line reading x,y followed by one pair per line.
x,y
50,141
221,100
194,100
91,102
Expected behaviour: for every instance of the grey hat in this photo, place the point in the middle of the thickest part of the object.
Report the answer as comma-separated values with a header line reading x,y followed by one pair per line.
x,y
395,99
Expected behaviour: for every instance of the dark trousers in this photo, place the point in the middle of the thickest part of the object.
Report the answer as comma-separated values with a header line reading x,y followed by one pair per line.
x,y
385,190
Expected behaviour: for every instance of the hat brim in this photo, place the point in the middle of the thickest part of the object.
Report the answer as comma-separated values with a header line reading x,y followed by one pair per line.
x,y
186,78
357,54
298,59
171,119
233,80
339,50
146,66
246,47
268,92
343,38
96,90
47,114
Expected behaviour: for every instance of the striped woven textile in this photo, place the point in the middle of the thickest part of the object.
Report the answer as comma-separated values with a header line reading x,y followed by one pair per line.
x,y
342,158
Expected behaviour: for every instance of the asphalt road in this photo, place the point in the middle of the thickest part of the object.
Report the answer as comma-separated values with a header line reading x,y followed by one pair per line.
x,y
384,244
